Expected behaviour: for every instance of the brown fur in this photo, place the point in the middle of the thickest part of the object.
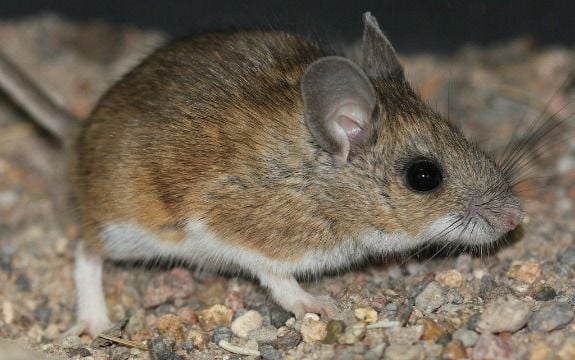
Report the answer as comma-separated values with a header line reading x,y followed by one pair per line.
x,y
211,128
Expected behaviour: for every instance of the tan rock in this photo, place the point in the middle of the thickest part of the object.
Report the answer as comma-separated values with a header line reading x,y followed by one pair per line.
x,y
526,272
366,314
214,316
450,278
454,350
247,322
198,338
171,326
431,330
313,330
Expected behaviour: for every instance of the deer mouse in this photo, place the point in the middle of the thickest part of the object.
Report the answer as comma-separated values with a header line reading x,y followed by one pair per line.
x,y
265,152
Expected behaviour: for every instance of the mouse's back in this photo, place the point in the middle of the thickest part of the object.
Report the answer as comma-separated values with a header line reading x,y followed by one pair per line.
x,y
206,127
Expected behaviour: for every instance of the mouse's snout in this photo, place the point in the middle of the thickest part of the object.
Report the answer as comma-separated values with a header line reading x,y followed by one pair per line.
x,y
501,212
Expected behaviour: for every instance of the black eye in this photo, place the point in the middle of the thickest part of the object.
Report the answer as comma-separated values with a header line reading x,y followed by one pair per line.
x,y
423,175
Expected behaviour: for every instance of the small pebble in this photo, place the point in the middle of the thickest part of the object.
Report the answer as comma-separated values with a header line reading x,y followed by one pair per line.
x,y
243,324
162,349
213,316
399,352
279,316
450,278
546,293
366,314
234,301
334,329
466,336
198,338
264,335
289,340
504,314
268,352
313,330
493,347
550,317
526,272
431,298
188,315
404,335
175,284
431,330
454,350
171,326
221,333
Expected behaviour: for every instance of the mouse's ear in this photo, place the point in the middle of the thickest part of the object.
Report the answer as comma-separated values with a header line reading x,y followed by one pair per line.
x,y
338,103
379,59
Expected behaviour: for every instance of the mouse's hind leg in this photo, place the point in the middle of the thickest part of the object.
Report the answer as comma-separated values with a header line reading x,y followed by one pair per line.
x,y
92,311
286,291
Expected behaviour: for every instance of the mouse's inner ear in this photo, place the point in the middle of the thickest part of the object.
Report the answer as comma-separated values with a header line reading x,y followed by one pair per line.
x,y
338,104
379,59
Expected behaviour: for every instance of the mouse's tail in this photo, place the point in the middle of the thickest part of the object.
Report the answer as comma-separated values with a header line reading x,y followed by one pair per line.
x,y
43,110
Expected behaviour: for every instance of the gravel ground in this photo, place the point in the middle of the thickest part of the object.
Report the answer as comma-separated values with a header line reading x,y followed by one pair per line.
x,y
513,302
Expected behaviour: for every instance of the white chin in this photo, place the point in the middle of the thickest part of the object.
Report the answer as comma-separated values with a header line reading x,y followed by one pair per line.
x,y
449,228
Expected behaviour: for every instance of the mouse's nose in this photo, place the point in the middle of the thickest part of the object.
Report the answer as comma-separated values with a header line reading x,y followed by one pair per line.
x,y
512,218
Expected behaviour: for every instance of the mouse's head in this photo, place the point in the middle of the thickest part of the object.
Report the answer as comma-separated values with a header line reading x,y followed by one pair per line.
x,y
432,181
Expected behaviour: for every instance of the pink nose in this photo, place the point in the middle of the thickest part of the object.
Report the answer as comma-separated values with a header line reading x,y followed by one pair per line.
x,y
513,219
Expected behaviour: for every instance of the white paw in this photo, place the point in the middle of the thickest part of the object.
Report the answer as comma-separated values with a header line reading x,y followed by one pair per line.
x,y
92,327
322,305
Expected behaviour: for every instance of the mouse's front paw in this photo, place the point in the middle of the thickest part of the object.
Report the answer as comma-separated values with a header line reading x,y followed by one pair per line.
x,y
92,327
322,305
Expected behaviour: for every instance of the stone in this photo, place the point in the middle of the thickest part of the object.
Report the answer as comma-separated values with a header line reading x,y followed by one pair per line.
x,y
313,330
162,349
264,335
450,278
234,301
466,336
214,316
279,316
404,335
431,298
221,333
353,333
334,330
243,324
188,315
431,330
546,293
175,284
366,314
493,347
526,272
290,339
171,326
504,314
268,352
550,317
399,352
454,350
198,338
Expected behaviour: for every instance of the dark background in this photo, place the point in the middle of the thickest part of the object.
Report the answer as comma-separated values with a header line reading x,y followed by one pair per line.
x,y
434,25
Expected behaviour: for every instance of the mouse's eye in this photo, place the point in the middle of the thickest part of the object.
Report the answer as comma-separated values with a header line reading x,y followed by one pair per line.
x,y
423,175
